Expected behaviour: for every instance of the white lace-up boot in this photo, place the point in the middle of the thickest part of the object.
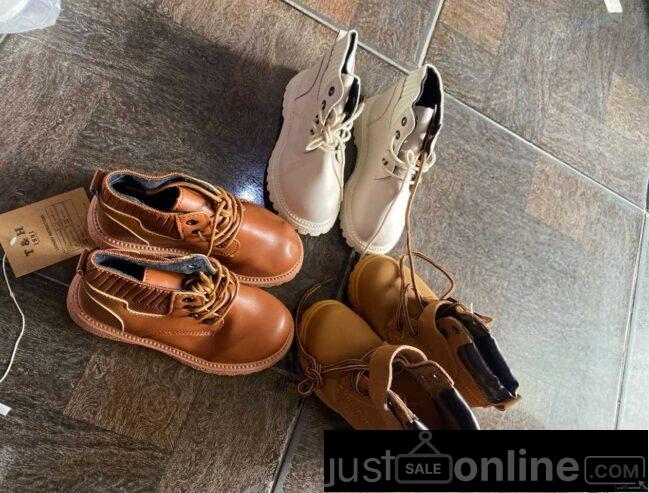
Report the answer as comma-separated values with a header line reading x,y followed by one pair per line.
x,y
305,171
395,137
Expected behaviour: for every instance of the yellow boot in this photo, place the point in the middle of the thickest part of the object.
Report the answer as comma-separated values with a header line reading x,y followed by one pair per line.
x,y
371,384
402,309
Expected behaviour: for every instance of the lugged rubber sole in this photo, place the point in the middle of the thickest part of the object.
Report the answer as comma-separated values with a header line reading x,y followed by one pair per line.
x,y
88,323
103,240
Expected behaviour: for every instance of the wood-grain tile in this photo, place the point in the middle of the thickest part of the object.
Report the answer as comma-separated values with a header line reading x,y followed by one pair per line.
x,y
552,63
635,398
46,101
482,22
561,200
234,435
340,11
47,451
463,64
398,30
566,126
52,354
626,110
134,392
548,254
42,450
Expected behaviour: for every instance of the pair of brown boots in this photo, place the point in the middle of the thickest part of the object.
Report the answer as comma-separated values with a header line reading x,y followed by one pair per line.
x,y
403,358
180,270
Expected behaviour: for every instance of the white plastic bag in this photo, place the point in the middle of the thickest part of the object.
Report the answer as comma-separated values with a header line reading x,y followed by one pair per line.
x,y
24,15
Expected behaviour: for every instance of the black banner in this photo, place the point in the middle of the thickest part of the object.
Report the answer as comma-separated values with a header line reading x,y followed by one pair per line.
x,y
485,460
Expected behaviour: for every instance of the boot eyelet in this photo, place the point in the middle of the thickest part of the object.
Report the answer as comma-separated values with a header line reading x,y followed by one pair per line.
x,y
194,315
188,300
331,91
404,120
206,321
398,134
324,104
191,222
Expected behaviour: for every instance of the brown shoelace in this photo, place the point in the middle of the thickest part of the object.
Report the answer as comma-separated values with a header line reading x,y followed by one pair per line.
x,y
228,215
403,312
219,291
313,373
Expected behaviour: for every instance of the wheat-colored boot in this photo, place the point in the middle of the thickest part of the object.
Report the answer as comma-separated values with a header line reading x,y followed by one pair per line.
x,y
395,137
305,171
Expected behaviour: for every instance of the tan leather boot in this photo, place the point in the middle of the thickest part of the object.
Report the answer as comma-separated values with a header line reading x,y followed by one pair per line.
x,y
190,308
372,385
305,171
381,291
176,214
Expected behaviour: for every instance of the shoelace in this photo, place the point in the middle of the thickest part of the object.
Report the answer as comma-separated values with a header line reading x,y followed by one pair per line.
x,y
403,312
413,166
313,373
228,215
219,291
332,134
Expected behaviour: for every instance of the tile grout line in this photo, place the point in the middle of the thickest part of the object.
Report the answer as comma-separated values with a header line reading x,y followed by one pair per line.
x,y
545,153
292,442
629,325
404,69
51,279
423,48
286,457
334,27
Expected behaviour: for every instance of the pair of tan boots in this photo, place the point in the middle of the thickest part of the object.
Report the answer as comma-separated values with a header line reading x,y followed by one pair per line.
x,y
180,270
403,358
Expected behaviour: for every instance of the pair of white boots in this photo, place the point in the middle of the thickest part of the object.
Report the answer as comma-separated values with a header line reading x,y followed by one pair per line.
x,y
395,135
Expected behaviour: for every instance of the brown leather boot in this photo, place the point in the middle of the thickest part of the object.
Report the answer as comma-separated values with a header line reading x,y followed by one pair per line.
x,y
190,308
374,386
381,291
176,214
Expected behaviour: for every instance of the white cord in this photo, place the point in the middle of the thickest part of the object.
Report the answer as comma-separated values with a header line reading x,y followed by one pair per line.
x,y
22,316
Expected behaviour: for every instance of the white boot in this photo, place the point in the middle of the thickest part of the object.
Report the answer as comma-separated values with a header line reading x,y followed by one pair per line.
x,y
305,171
395,137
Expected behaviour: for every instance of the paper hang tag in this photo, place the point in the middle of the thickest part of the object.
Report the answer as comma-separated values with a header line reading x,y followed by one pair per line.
x,y
45,232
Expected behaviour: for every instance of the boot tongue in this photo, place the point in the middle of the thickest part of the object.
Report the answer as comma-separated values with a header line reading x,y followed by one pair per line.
x,y
190,200
163,279
415,141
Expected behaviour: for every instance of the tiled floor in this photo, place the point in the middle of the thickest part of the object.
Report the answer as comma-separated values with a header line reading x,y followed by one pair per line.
x,y
537,204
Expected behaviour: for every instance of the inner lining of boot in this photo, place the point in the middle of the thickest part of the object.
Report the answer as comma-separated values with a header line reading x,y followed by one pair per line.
x,y
143,191
121,265
347,68
431,95
488,357
135,268
354,95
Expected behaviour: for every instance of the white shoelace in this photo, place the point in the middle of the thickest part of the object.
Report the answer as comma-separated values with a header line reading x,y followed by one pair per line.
x,y
4,410
331,134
